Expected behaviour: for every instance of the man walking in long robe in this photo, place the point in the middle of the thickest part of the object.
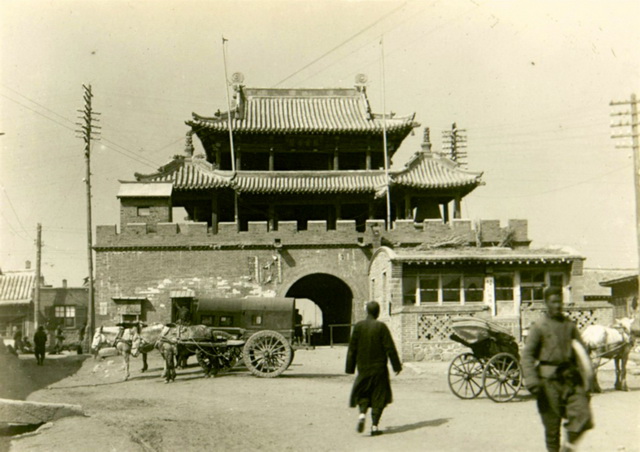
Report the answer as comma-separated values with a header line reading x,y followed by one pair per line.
x,y
370,348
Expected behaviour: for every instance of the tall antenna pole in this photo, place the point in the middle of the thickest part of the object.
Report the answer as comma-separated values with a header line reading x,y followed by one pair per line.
x,y
36,295
89,131
384,137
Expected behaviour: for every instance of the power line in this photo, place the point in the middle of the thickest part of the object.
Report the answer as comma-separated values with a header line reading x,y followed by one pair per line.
x,y
368,27
553,190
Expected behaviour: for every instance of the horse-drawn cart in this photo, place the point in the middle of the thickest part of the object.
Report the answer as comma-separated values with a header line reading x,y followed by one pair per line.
x,y
492,366
256,331
265,353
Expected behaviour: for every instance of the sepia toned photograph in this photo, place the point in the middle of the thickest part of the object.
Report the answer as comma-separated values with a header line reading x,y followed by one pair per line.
x,y
330,225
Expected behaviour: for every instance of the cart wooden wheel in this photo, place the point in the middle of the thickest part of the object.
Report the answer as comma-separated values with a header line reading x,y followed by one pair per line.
x,y
293,354
502,377
267,354
465,376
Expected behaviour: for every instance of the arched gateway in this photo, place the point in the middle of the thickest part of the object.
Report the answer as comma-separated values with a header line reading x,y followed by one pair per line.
x,y
334,298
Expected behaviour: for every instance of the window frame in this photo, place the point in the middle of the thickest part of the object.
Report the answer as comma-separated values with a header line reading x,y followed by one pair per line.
x,y
416,282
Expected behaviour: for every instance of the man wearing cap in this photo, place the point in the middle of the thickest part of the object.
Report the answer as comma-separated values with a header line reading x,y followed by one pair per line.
x,y
556,380
370,348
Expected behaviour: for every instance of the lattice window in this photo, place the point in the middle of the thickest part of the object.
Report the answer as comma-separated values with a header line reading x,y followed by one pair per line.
x,y
583,318
437,327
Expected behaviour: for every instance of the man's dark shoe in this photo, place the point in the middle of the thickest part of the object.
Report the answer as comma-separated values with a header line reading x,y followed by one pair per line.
x,y
360,426
375,431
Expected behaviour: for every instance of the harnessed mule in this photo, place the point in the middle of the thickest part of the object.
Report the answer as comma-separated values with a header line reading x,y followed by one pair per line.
x,y
615,343
122,340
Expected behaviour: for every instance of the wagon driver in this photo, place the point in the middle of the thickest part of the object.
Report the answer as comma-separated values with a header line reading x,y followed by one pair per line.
x,y
556,380
370,347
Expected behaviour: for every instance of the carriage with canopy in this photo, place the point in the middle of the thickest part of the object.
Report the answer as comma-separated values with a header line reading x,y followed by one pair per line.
x,y
492,366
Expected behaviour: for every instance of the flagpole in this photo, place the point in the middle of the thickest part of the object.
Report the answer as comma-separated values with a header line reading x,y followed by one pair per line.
x,y
384,138
226,84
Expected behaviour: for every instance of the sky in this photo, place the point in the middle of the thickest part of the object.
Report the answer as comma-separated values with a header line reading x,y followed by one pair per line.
x,y
530,81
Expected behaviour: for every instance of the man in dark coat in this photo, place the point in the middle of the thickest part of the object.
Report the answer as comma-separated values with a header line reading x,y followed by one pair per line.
x,y
370,348
40,344
556,380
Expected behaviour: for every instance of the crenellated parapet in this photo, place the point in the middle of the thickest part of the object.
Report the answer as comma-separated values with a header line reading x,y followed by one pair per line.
x,y
429,233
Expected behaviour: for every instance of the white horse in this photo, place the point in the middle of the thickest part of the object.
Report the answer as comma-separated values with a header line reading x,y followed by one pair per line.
x,y
120,338
610,343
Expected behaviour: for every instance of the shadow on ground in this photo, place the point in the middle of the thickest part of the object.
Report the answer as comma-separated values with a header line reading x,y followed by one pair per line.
x,y
415,426
19,377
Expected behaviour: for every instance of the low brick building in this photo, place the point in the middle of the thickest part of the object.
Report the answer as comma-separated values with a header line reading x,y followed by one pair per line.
x,y
66,307
462,272
624,295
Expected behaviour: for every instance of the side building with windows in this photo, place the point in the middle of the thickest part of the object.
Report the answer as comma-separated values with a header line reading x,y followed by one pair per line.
x,y
66,307
500,278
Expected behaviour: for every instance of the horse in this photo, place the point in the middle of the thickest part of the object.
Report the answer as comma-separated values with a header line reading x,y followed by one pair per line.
x,y
177,342
122,339
155,337
615,343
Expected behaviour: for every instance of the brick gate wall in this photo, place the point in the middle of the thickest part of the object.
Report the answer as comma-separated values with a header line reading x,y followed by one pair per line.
x,y
219,273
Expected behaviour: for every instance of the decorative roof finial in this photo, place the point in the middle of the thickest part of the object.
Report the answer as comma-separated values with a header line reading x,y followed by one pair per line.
x,y
426,140
361,82
188,145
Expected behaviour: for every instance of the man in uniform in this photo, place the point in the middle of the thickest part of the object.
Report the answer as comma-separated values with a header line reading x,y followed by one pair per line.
x,y
556,380
370,347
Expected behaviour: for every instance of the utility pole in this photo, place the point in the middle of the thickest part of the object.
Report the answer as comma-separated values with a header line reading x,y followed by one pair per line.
x,y
629,120
36,294
87,132
454,141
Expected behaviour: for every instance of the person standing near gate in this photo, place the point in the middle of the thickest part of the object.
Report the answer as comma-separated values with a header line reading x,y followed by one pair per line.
x,y
556,380
370,348
40,345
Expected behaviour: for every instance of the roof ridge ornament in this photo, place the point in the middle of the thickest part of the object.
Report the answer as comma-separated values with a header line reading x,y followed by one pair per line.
x,y
188,145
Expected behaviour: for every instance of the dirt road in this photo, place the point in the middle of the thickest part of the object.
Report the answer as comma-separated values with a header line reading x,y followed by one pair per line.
x,y
304,409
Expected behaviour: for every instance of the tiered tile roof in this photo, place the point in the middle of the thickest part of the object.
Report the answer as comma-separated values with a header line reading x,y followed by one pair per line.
x,y
422,172
310,111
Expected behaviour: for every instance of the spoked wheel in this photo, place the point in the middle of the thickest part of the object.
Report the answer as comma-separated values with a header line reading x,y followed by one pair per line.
x,y
267,354
465,376
502,377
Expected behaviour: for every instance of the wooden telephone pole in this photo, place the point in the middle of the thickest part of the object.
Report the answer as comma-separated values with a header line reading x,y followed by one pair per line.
x,y
36,290
89,131
629,120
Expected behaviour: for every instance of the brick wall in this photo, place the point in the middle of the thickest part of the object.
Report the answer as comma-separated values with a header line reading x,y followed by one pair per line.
x,y
231,272
159,211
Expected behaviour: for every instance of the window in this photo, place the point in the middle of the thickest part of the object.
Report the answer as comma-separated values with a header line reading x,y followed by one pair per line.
x,y
226,320
66,315
437,289
504,287
556,279
207,320
144,211
473,288
256,320
409,286
451,288
428,289
532,285
130,318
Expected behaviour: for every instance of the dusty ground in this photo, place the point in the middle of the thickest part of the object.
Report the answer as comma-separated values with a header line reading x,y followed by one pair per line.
x,y
305,408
